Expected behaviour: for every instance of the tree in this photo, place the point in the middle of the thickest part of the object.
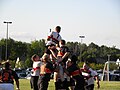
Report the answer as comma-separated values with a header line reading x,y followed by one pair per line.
x,y
2,48
92,53
37,47
28,63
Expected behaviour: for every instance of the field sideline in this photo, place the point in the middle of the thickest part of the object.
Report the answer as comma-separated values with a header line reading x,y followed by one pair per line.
x,y
112,85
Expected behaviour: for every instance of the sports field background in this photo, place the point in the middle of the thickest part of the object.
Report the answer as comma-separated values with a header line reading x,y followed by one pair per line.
x,y
105,85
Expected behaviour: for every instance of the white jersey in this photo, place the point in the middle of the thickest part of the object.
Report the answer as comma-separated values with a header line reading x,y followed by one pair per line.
x,y
36,68
55,37
91,79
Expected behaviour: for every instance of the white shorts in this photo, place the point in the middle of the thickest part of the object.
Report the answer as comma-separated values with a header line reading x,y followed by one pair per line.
x,y
6,86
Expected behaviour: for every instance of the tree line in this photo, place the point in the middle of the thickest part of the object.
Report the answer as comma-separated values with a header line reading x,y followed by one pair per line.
x,y
91,53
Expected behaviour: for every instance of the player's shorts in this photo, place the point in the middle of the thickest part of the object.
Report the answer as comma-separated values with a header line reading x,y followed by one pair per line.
x,y
6,86
71,82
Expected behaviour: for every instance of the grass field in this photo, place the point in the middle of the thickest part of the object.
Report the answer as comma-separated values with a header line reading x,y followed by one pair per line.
x,y
112,85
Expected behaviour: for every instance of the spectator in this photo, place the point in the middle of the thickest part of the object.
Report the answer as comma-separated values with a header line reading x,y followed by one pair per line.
x,y
7,78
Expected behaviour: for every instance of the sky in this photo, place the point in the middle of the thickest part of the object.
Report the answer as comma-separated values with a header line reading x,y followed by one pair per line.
x,y
97,20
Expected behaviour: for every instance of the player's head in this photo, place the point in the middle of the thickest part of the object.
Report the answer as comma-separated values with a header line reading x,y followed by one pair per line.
x,y
62,42
74,58
35,57
58,29
7,65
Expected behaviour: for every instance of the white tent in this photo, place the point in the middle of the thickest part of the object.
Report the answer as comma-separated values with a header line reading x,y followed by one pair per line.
x,y
118,62
17,65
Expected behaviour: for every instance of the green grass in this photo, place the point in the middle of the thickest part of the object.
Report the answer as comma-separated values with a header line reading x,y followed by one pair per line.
x,y
112,85
105,85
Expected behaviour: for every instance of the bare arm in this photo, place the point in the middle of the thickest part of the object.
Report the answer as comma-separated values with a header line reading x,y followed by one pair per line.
x,y
64,56
54,55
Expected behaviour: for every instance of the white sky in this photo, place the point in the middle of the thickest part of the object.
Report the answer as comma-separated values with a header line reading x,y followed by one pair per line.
x,y
97,20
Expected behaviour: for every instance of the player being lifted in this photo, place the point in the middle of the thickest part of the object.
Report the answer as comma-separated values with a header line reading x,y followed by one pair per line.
x,y
54,36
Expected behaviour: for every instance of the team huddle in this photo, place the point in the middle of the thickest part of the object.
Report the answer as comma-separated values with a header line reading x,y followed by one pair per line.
x,y
59,61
